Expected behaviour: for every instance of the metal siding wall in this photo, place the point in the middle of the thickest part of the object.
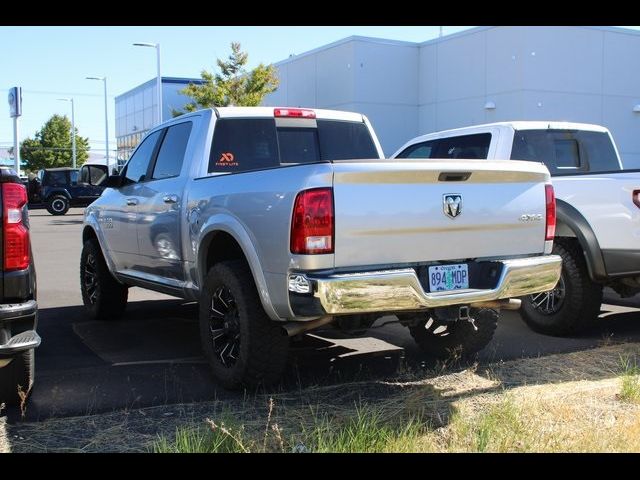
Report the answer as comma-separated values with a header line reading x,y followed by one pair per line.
x,y
335,72
531,73
386,76
621,91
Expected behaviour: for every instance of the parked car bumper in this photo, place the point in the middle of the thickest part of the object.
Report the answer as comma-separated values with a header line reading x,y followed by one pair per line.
x,y
401,289
13,313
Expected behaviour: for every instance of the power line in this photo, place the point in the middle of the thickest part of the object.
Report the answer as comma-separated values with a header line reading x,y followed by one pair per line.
x,y
45,92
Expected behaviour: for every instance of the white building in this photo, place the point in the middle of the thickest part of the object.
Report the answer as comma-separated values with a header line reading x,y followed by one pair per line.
x,y
485,74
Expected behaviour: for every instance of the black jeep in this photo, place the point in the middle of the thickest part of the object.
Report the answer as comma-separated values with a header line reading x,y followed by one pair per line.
x,y
61,188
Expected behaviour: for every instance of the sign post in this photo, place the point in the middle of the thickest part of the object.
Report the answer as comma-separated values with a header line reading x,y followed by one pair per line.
x,y
15,111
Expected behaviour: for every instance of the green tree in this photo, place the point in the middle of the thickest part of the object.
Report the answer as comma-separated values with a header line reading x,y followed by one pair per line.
x,y
51,146
234,85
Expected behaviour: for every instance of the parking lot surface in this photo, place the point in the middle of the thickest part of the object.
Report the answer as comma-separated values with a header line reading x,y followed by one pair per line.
x,y
152,356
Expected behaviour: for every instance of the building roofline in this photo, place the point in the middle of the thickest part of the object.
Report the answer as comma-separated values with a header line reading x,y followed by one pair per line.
x,y
151,82
627,31
449,36
474,30
352,38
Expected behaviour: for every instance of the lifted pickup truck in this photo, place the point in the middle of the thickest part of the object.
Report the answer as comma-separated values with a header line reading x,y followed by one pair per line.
x,y
280,221
598,209
18,307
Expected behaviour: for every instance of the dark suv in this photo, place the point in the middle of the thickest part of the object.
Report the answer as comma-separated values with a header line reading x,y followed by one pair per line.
x,y
61,188
18,307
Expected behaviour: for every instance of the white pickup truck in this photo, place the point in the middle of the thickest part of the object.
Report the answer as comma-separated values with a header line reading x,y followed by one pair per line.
x,y
598,209
280,221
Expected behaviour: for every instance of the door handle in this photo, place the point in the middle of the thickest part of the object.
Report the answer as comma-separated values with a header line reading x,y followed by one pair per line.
x,y
132,201
170,198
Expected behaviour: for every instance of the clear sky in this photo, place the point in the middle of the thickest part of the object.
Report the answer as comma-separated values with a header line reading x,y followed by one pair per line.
x,y
52,62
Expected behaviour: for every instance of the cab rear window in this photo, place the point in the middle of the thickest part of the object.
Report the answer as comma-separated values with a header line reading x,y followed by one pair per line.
x,y
243,144
566,152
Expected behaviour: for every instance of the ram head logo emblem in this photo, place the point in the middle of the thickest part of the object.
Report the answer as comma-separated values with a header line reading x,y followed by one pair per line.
x,y
452,204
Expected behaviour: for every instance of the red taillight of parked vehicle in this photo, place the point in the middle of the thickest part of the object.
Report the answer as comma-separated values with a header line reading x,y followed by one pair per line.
x,y
294,112
636,197
312,224
551,212
16,235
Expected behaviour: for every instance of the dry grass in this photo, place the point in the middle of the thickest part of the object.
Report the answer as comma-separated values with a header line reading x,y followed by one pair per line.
x,y
582,416
564,402
4,441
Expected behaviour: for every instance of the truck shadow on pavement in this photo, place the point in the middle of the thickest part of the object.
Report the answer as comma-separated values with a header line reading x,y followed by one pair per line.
x,y
152,357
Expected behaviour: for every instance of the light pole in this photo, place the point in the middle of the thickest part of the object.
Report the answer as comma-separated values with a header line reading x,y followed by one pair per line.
x,y
73,129
159,79
106,118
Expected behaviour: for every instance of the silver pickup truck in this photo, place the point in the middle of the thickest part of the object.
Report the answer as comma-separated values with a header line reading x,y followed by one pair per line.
x,y
280,221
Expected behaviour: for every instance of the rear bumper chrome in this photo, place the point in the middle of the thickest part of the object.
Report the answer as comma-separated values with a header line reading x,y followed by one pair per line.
x,y
397,290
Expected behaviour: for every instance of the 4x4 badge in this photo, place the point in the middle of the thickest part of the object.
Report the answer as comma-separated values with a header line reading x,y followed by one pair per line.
x,y
452,204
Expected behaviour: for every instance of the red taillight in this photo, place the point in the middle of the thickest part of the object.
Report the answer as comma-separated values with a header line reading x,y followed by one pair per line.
x,y
294,112
551,212
16,235
636,197
312,222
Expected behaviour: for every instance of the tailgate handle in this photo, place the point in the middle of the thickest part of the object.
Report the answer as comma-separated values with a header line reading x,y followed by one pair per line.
x,y
454,176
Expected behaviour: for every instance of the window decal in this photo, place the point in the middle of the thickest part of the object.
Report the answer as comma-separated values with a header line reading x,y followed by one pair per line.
x,y
226,160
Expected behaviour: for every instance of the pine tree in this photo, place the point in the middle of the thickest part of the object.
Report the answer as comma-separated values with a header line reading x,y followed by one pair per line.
x,y
233,86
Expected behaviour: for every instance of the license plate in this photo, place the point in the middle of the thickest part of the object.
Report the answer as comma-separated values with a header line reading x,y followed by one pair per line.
x,y
448,277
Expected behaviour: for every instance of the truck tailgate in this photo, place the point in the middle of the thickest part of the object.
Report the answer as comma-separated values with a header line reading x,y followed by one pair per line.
x,y
392,212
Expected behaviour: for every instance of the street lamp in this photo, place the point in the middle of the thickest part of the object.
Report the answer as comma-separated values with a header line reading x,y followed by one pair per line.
x,y
106,117
73,129
159,79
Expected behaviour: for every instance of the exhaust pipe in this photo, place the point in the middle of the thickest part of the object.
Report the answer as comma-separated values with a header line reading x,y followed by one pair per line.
x,y
296,328
505,304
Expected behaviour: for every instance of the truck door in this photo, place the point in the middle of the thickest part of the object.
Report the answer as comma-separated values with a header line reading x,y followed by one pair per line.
x,y
160,204
119,217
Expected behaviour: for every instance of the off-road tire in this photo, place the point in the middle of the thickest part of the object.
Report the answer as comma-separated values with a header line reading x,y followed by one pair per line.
x,y
109,298
57,205
17,377
582,297
462,340
263,345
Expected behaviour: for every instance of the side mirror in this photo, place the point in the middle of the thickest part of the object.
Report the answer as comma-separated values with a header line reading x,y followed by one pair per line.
x,y
113,181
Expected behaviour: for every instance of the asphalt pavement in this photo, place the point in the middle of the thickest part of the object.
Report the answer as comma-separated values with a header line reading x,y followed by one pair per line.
x,y
152,356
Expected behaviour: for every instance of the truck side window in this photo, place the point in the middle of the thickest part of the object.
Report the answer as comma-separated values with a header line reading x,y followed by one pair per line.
x,y
418,150
474,146
172,150
243,144
136,168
